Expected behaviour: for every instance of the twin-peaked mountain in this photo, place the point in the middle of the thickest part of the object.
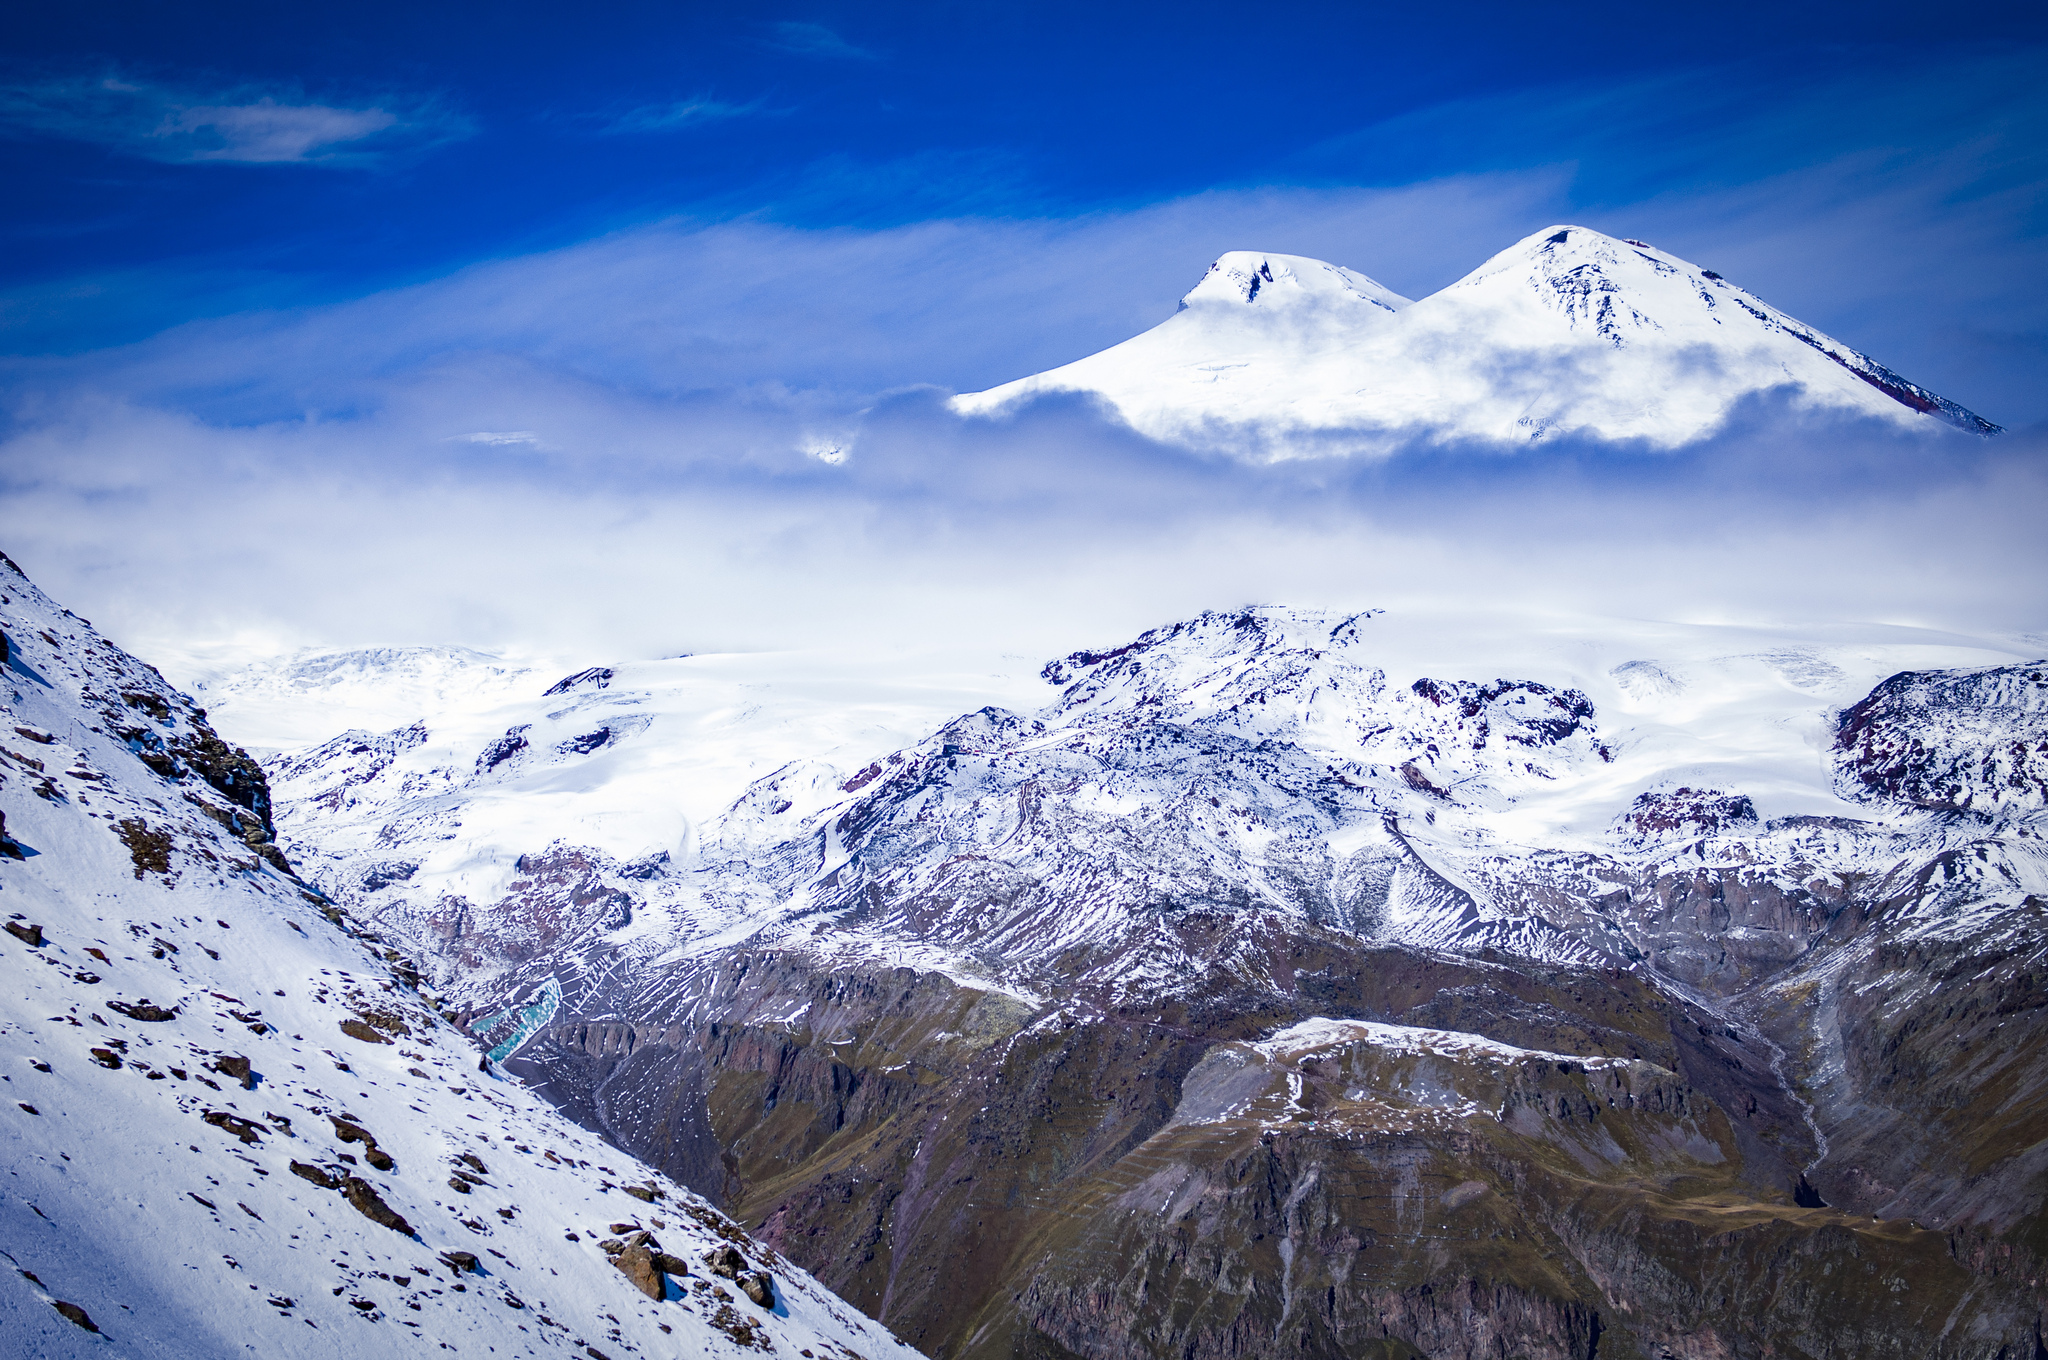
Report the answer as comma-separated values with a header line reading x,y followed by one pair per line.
x,y
1569,333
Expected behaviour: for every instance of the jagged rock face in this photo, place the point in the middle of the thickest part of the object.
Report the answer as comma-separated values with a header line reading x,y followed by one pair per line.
x,y
1003,1180
1969,742
984,1031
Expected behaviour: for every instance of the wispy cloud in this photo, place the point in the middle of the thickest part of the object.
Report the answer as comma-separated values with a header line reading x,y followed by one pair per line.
x,y
243,124
678,114
499,438
816,40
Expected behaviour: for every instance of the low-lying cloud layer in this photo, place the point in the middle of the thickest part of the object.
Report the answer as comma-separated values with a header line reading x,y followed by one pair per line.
x,y
1052,530
688,436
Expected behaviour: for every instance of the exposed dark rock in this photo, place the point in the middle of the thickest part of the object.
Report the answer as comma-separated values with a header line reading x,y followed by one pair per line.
x,y
306,1171
150,851
597,677
30,935
461,1262
231,771
247,1130
502,749
371,1205
74,1314
236,1066
1687,812
356,1029
1964,741
143,1010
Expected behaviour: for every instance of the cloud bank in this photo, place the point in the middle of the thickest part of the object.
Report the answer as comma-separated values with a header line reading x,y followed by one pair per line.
x,y
699,435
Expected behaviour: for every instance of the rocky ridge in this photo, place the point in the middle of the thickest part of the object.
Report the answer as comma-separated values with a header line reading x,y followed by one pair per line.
x,y
1238,1002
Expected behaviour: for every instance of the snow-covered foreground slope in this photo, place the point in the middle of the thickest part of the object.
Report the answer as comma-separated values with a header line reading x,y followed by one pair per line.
x,y
1567,333
231,1124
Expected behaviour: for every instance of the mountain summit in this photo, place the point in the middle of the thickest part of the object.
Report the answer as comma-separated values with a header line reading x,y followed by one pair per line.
x,y
1568,332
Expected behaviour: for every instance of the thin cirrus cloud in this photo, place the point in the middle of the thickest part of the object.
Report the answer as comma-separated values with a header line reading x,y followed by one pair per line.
x,y
244,125
679,114
815,40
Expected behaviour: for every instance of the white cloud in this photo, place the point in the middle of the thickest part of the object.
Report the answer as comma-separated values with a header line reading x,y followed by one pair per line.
x,y
816,40
245,125
694,384
681,113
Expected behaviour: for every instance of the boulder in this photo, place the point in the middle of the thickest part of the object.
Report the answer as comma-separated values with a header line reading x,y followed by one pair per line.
x,y
30,935
461,1262
636,1263
759,1286
356,1029
231,1065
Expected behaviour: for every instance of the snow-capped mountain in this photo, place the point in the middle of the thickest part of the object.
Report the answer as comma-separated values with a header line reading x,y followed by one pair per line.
x,y
1566,333
710,798
234,1124
1306,951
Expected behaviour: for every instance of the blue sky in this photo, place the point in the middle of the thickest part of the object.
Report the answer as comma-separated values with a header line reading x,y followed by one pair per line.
x,y
257,259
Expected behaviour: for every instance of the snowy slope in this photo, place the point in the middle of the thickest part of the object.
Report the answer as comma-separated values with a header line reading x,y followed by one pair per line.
x,y
1566,333
300,699
231,1123
1400,777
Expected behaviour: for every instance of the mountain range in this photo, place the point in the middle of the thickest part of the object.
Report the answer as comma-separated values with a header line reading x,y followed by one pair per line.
x,y
1568,333
1270,986
1276,981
